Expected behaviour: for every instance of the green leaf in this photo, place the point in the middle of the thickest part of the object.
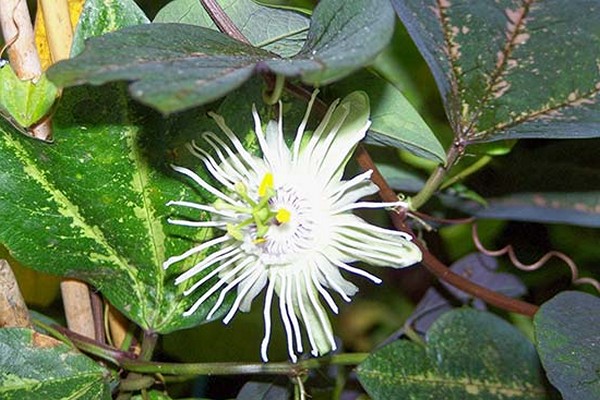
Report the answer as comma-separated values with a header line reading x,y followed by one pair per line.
x,y
567,332
34,366
394,120
544,184
25,102
344,35
511,69
101,16
279,31
92,205
469,355
195,65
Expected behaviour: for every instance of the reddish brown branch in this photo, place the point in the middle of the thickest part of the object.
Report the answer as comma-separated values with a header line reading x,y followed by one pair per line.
x,y
434,265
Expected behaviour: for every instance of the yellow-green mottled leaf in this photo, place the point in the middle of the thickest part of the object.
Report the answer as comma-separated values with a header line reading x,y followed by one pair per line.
x,y
34,366
512,68
470,355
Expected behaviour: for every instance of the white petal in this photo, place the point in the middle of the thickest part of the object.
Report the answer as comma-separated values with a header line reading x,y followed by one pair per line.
x,y
205,185
243,289
224,266
267,318
248,158
202,207
214,288
302,127
194,250
323,333
253,291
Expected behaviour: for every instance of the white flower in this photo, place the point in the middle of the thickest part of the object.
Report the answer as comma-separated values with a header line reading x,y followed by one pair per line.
x,y
288,223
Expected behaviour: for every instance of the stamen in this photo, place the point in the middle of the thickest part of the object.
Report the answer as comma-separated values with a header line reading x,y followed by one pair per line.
x,y
283,216
266,184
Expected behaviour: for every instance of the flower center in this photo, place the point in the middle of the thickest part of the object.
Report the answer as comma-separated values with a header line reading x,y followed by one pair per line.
x,y
279,223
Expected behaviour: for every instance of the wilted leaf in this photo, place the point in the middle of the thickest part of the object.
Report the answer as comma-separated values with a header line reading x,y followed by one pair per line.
x,y
469,355
567,332
35,366
511,69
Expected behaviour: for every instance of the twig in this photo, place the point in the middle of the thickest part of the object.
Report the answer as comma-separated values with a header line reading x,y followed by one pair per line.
x,y
58,28
13,310
78,307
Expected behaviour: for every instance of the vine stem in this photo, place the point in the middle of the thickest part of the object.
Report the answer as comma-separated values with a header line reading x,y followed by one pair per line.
x,y
435,266
437,177
430,262
233,368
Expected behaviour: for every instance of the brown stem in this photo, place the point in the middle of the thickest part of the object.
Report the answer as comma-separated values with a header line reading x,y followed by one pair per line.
x,y
222,20
78,307
434,265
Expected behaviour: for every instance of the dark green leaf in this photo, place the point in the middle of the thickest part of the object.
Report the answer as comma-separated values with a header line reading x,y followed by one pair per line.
x,y
469,355
176,66
92,205
262,391
173,66
344,35
512,69
34,366
567,332
394,120
101,16
556,183
280,31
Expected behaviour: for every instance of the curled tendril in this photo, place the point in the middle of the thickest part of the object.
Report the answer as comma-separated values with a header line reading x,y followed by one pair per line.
x,y
508,249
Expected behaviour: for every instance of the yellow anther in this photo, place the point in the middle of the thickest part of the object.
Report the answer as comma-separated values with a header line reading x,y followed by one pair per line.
x,y
265,184
283,216
259,240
